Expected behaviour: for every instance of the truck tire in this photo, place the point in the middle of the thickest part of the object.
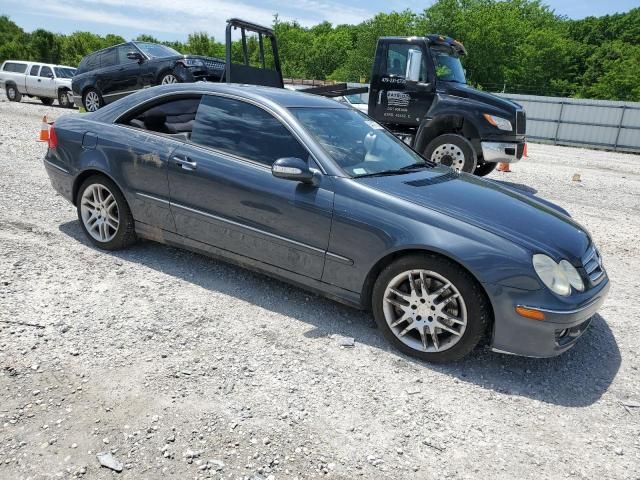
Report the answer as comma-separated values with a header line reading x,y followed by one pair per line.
x,y
13,94
92,100
63,99
46,101
452,150
485,168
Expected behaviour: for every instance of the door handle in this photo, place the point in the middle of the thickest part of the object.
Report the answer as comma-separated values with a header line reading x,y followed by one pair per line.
x,y
39,80
185,163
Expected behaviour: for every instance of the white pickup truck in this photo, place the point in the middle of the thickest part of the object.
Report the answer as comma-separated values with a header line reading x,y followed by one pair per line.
x,y
33,79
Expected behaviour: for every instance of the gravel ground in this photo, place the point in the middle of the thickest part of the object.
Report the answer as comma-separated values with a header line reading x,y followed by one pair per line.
x,y
185,367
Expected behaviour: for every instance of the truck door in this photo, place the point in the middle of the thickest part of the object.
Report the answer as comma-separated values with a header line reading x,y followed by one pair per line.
x,y
46,85
32,80
402,86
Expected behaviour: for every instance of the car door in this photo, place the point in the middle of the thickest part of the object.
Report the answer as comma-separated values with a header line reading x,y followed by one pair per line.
x,y
224,194
106,75
128,76
33,79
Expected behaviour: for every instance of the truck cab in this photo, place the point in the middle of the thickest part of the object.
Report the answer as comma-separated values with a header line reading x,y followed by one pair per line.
x,y
419,91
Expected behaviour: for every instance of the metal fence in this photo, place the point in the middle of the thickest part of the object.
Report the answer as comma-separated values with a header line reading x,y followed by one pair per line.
x,y
586,123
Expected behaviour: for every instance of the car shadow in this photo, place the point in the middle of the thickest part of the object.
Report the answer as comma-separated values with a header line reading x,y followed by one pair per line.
x,y
577,378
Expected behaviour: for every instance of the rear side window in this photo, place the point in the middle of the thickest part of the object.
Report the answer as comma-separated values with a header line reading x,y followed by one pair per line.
x,y
46,72
89,63
34,70
244,130
172,117
108,58
15,67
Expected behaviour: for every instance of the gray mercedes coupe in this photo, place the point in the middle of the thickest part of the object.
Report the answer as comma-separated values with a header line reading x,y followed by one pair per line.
x,y
313,192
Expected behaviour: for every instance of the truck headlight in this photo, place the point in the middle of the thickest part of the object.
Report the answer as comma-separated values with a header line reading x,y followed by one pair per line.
x,y
498,122
193,62
558,277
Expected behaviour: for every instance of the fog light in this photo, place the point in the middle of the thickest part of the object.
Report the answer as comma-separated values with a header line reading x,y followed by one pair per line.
x,y
530,313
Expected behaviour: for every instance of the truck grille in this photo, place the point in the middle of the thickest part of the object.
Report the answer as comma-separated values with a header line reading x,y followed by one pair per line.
x,y
592,263
521,122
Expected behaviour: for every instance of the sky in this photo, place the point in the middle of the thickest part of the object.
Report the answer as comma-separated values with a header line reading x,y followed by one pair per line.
x,y
175,19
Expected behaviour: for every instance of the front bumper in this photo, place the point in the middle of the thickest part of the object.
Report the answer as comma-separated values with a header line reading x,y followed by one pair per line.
x,y
558,332
503,152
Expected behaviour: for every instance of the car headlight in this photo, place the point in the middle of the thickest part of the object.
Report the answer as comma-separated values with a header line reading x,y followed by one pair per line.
x,y
558,277
193,62
498,122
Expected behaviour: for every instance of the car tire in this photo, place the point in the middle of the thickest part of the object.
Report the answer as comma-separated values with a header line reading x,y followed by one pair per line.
x,y
104,214
63,99
46,101
12,93
168,78
485,168
410,316
452,150
92,100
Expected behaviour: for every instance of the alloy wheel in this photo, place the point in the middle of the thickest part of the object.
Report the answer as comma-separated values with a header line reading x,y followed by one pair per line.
x,y
99,211
450,155
92,101
168,79
425,311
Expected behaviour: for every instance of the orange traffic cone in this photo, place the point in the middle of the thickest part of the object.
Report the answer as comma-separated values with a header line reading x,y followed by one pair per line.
x,y
503,167
44,130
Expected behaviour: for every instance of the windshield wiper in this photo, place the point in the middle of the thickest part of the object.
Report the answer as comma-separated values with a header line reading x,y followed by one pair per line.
x,y
397,171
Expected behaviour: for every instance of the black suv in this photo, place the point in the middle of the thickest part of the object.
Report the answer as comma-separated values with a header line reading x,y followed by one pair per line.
x,y
114,72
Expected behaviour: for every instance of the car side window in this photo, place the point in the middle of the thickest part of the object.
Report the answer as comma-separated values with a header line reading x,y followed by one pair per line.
x,y
244,130
34,70
122,54
15,67
46,72
108,58
89,63
174,117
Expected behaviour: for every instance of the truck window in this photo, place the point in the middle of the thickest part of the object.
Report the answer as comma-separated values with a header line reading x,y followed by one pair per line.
x,y
397,59
15,67
108,58
34,70
46,72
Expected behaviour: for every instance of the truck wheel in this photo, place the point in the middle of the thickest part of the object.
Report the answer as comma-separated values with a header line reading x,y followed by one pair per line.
x,y
63,99
13,94
452,150
91,100
46,101
485,168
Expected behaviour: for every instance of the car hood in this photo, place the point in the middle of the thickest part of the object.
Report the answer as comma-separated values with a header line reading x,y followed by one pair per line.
x,y
502,210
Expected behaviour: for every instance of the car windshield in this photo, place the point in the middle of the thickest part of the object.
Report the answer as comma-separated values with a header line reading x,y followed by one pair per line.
x,y
154,50
448,65
65,72
359,145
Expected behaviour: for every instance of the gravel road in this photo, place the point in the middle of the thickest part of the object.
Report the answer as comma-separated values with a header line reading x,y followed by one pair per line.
x,y
184,367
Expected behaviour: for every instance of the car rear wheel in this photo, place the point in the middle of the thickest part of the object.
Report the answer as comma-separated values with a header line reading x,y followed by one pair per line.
x,y
485,168
104,214
46,101
168,79
13,94
430,308
452,150
91,100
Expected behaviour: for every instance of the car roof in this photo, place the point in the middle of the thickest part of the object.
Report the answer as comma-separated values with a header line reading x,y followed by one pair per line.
x,y
44,64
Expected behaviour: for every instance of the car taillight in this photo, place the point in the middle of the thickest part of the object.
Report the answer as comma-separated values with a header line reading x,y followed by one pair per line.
x,y
53,138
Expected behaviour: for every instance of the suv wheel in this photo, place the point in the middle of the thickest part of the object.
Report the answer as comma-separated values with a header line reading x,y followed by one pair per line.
x,y
168,78
92,100
452,150
13,94
430,308
104,214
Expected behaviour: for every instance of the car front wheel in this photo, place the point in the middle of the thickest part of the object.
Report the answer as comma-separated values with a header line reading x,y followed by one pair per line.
x,y
63,99
452,150
104,214
430,308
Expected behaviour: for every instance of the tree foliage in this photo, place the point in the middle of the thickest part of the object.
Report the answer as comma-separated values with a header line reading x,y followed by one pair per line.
x,y
517,46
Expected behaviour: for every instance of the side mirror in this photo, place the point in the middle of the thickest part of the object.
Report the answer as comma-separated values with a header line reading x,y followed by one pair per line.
x,y
296,169
135,56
